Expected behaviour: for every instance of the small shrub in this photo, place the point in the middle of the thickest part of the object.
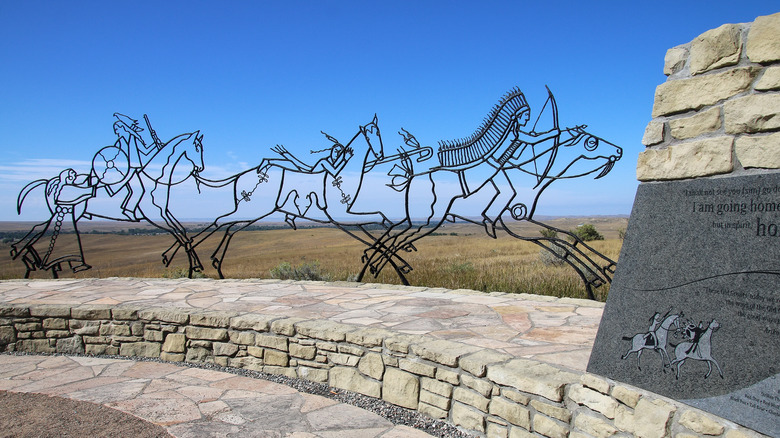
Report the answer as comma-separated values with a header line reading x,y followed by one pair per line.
x,y
587,232
622,234
548,233
304,271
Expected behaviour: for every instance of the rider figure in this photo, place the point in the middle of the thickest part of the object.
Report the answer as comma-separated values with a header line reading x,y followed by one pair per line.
x,y
651,338
694,334
129,140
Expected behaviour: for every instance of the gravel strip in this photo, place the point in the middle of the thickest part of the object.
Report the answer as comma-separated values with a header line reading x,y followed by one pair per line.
x,y
395,414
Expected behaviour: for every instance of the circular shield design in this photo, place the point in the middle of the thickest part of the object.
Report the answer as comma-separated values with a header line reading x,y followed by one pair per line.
x,y
110,165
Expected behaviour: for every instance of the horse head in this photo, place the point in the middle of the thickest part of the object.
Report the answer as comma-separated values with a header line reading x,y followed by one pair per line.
x,y
587,155
373,139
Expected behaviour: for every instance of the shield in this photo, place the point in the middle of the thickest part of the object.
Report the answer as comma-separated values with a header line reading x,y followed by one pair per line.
x,y
110,165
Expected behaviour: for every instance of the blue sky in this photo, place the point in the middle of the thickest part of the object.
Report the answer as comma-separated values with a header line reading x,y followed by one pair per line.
x,y
250,75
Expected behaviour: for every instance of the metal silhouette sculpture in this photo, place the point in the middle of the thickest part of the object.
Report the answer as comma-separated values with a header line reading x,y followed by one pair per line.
x,y
333,186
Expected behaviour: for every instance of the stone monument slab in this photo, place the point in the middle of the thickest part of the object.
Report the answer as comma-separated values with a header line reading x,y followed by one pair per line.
x,y
694,310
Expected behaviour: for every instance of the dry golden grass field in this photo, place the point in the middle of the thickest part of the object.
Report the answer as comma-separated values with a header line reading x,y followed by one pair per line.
x,y
458,256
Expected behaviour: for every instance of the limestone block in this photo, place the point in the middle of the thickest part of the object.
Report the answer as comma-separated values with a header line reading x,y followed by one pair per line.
x,y
516,432
532,377
56,334
401,343
416,367
759,151
435,400
654,133
372,365
313,374
710,156
225,349
550,428
716,48
676,96
483,387
174,343
55,324
199,354
327,346
95,349
172,357
651,418
511,412
593,381
770,80
303,351
7,335
209,334
515,396
175,316
112,329
594,426
241,338
557,412
350,349
256,322
401,388
10,310
137,328
123,314
324,329
269,341
601,403
211,319
763,40
350,379
471,398
441,388
696,125
276,358
626,395
752,113
86,328
343,359
73,345
443,352
477,363
50,311
368,337
432,411
468,417
700,423
447,376
674,60
141,349
96,340
280,371
496,431
28,326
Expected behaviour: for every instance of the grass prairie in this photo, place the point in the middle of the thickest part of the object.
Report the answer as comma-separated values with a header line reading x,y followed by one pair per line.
x,y
458,255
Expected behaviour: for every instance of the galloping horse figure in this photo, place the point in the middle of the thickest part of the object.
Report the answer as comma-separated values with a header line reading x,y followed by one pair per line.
x,y
655,339
70,195
499,152
290,186
698,349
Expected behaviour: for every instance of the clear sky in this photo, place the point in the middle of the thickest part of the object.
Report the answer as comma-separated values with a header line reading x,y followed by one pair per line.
x,y
253,74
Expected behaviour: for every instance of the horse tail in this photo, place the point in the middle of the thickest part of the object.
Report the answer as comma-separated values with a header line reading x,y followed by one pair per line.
x,y
26,190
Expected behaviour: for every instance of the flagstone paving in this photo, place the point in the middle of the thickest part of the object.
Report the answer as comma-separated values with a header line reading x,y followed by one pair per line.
x,y
194,402
557,331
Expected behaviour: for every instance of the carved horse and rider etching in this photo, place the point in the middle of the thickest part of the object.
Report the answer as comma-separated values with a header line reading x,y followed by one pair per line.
x,y
428,188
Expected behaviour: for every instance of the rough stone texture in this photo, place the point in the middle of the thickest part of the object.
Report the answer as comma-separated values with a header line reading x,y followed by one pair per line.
x,y
468,417
626,395
225,349
350,379
716,48
275,342
72,345
593,426
479,385
759,151
674,61
477,363
401,388
368,337
119,313
242,338
447,376
372,366
50,311
700,423
175,316
90,312
471,398
752,113
549,427
276,358
307,352
435,400
594,400
285,326
511,412
593,381
141,349
557,412
682,95
443,352
533,377
696,125
770,80
174,343
7,335
651,418
763,40
258,323
421,369
210,319
324,329
711,156
654,133
441,388
432,411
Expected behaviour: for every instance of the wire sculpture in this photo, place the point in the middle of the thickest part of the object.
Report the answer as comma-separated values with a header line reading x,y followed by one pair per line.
x,y
133,180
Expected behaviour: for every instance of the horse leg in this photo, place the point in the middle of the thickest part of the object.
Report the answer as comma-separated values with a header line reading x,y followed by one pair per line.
x,y
709,368
718,367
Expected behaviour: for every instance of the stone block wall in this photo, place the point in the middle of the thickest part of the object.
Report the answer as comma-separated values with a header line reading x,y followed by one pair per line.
x,y
719,110
488,393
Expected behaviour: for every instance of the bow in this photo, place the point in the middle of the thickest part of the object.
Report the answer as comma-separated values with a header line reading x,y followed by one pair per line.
x,y
556,139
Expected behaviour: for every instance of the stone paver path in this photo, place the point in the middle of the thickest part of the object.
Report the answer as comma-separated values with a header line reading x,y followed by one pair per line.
x,y
194,402
557,331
